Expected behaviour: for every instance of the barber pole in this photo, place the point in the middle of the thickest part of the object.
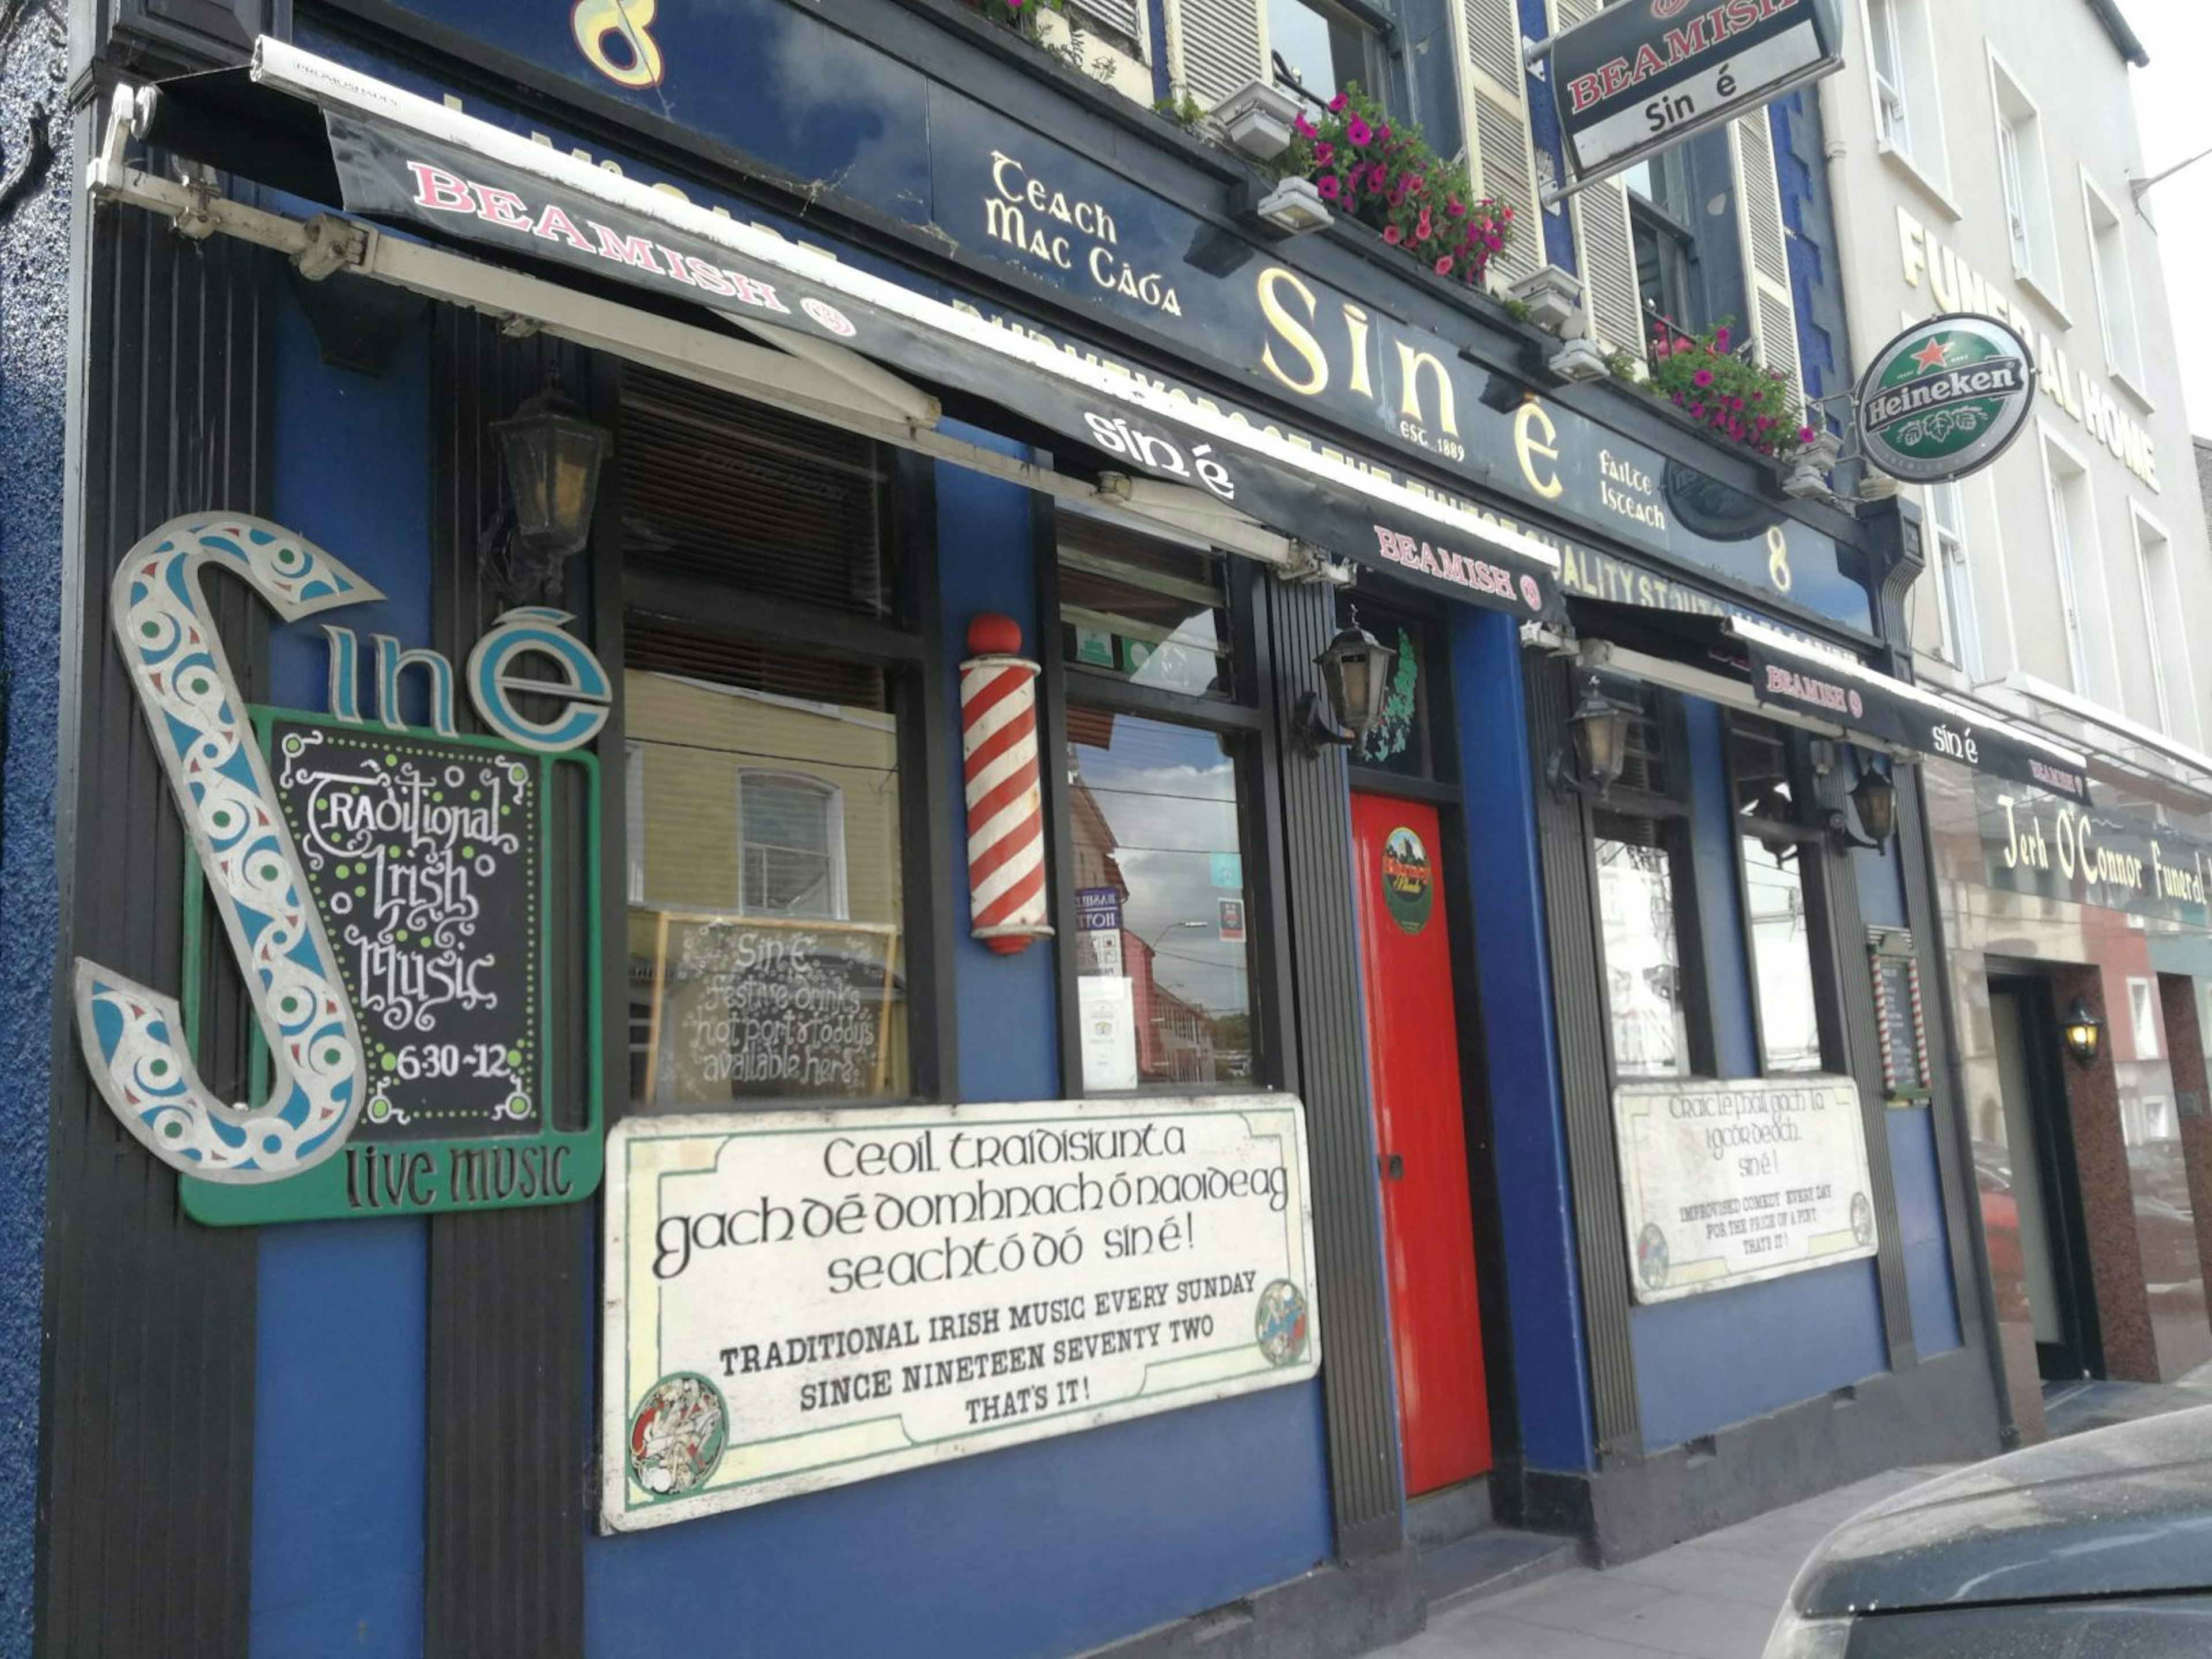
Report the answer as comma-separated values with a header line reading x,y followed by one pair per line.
x,y
1005,794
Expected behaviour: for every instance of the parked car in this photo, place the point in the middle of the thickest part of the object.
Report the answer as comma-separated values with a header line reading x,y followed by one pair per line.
x,y
2099,1545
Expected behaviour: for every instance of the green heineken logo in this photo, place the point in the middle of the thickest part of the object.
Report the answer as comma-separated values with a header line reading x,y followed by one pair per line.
x,y
1945,399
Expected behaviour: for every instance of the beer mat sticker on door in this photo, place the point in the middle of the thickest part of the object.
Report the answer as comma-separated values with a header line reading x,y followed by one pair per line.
x,y
798,1300
1409,881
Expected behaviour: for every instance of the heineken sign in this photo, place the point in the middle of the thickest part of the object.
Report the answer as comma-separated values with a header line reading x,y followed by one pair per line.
x,y
1945,399
1643,76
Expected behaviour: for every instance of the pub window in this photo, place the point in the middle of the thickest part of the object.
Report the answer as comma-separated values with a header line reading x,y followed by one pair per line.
x,y
1321,48
1661,215
768,704
1160,776
1647,910
1772,846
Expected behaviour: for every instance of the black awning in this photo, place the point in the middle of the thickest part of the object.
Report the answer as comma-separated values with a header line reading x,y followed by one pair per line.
x,y
1819,683
375,150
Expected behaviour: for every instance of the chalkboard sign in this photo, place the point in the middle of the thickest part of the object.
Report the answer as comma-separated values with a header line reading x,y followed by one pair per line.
x,y
769,1007
426,856
423,858
1904,1025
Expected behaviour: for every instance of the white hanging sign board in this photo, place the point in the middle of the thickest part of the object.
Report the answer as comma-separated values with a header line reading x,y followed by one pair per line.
x,y
796,1300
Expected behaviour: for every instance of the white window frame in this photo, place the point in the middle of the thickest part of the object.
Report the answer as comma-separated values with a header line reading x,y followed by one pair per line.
x,y
1921,150
2067,555
634,819
2172,673
2123,358
1949,546
833,813
2025,186
2142,1000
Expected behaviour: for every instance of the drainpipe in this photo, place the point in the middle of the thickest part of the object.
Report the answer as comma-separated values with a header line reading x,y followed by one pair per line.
x,y
1837,152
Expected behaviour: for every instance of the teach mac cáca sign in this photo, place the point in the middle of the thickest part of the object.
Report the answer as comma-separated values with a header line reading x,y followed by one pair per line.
x,y
1641,76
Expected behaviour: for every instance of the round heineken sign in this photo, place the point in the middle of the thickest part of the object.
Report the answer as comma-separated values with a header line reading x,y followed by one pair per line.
x,y
1945,399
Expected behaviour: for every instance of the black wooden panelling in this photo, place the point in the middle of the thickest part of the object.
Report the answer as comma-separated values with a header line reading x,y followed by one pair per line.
x,y
1585,1070
146,1428
1356,1383
1960,1188
506,1480
1839,936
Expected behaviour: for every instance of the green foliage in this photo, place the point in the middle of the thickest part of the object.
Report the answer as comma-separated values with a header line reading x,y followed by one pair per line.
x,y
1180,110
1385,175
1727,394
1519,310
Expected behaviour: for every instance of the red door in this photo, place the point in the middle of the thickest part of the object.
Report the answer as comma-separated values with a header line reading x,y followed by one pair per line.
x,y
1412,1065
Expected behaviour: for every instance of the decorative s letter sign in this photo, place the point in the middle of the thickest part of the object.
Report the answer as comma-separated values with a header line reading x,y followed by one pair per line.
x,y
133,1036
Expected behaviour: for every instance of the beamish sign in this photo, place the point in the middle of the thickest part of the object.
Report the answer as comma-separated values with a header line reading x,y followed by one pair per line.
x,y
1641,77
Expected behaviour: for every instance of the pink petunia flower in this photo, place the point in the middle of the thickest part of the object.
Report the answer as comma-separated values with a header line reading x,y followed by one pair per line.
x,y
1704,378
1382,135
1443,265
1696,411
1422,228
1506,214
1393,236
1324,153
1721,338
1336,104
1455,207
1330,189
1358,132
1806,434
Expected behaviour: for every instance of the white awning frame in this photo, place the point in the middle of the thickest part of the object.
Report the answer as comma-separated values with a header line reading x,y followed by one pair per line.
x,y
794,373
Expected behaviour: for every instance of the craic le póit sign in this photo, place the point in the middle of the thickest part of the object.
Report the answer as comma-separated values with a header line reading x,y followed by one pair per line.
x,y
1945,399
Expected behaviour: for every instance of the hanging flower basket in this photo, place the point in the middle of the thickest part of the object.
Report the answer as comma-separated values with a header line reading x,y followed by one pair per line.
x,y
1730,396
1384,175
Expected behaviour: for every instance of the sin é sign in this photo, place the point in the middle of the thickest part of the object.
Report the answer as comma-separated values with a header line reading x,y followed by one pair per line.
x,y
1670,110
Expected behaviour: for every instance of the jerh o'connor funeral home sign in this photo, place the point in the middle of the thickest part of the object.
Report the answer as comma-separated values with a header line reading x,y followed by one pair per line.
x,y
795,1300
1642,77
1728,1183
1945,399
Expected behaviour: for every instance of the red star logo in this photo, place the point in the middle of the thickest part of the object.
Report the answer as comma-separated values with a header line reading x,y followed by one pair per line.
x,y
1931,357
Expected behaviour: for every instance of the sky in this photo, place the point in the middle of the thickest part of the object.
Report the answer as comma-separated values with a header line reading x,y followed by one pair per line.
x,y
2175,119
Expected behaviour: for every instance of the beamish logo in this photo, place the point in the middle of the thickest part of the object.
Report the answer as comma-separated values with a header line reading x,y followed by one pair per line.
x,y
1663,10
1679,49
1998,377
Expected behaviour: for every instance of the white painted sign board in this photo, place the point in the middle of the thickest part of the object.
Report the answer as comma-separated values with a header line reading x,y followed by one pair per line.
x,y
1733,1181
795,1300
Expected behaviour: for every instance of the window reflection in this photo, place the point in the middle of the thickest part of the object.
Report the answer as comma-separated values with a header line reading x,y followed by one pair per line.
x,y
1637,914
1164,947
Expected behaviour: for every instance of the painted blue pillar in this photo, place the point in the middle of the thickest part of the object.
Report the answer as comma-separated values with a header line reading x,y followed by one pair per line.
x,y
339,1378
1535,1196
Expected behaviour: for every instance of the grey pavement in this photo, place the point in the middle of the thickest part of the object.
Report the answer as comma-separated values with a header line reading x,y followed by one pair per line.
x,y
1714,1597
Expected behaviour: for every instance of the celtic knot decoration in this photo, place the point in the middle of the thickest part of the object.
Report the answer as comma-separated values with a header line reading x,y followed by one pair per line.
x,y
133,1036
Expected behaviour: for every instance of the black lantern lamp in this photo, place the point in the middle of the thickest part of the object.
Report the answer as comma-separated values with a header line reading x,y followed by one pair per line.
x,y
1599,728
1873,799
552,456
1355,672
2085,1032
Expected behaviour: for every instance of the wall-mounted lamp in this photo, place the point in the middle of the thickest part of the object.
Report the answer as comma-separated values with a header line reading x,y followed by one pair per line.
x,y
2084,1032
1292,208
552,457
1256,118
1873,799
1599,728
1355,671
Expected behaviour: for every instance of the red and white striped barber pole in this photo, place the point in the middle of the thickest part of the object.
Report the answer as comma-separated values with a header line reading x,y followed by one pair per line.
x,y
1006,902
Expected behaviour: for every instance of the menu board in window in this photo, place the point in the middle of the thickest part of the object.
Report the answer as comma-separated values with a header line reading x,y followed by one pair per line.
x,y
427,859
771,1008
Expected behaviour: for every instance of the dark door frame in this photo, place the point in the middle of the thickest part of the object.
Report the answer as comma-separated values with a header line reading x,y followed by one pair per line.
x,y
2080,1352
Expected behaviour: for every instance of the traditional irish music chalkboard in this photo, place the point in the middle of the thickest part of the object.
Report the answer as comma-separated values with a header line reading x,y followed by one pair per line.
x,y
428,858
1904,1021
423,857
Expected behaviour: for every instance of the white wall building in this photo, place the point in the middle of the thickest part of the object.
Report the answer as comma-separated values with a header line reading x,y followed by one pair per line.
x,y
1982,156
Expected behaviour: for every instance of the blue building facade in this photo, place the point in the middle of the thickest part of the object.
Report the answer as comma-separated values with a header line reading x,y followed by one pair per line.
x,y
388,1433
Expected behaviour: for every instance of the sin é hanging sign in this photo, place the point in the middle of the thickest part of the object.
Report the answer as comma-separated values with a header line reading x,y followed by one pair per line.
x,y
386,894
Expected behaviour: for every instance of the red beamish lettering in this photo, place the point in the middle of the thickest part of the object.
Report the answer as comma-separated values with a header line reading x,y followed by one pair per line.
x,y
440,191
